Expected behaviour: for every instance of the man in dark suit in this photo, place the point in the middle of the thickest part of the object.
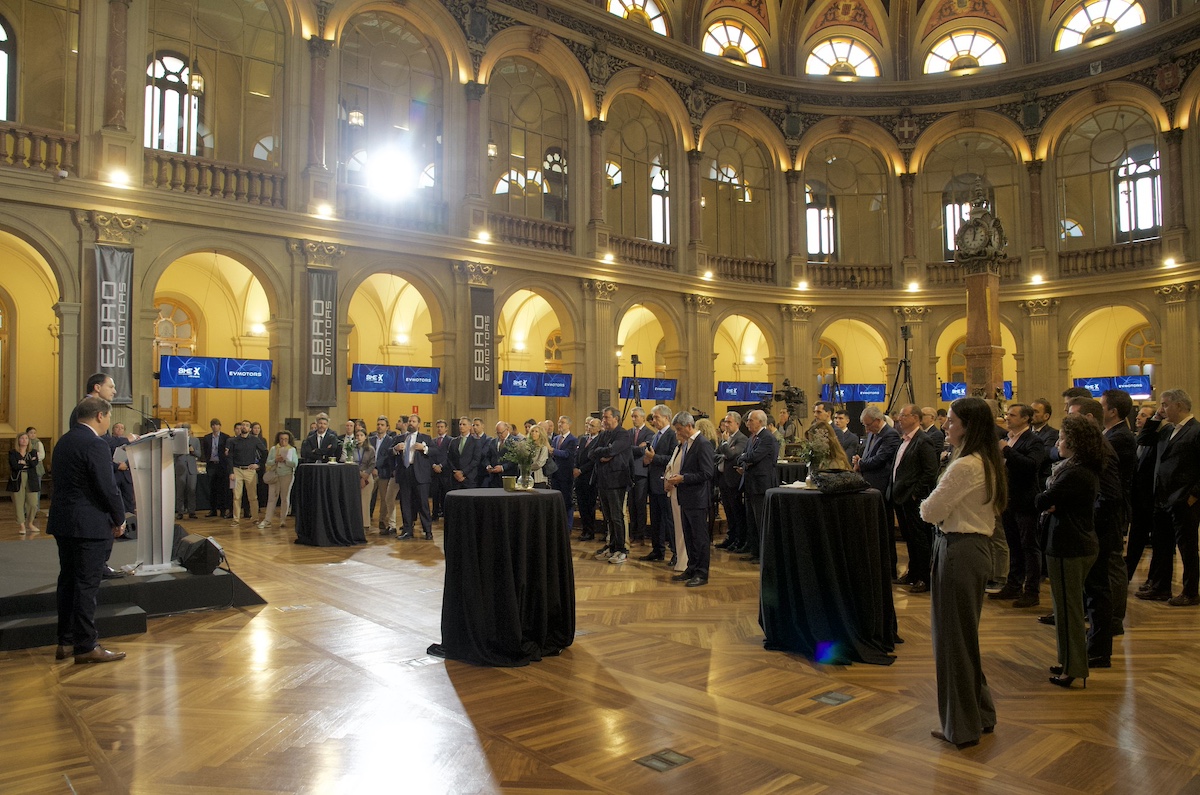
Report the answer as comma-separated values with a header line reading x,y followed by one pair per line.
x,y
1141,503
733,444
657,456
562,450
639,439
846,437
1176,495
412,471
693,488
383,441
585,489
464,457
1023,456
86,513
1117,405
213,453
495,465
914,474
321,444
1047,433
487,453
440,464
930,428
612,452
875,465
757,467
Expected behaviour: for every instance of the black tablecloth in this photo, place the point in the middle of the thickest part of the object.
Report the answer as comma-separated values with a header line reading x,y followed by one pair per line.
x,y
510,580
826,583
327,505
790,472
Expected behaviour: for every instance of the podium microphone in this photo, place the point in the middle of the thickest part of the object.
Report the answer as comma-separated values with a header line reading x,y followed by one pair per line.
x,y
157,422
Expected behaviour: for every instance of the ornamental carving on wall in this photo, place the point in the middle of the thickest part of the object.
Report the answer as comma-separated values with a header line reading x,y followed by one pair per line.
x,y
112,228
1039,307
317,252
476,274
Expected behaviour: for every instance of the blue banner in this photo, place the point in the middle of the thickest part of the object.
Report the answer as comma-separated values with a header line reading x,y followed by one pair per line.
x,y
373,378
518,383
1094,385
556,385
759,389
953,390
656,389
418,380
187,372
731,391
1138,386
244,374
870,393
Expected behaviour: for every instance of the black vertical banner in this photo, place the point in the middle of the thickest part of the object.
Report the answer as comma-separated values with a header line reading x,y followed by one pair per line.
x,y
114,286
322,339
482,390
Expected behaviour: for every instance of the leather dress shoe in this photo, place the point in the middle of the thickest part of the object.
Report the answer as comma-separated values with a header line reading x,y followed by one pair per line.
x,y
1027,600
904,579
696,582
191,516
937,734
724,544
1184,601
209,514
388,531
63,652
755,559
652,556
682,576
1047,619
1153,596
919,587
99,655
1005,593
112,574
405,536
428,535
1099,662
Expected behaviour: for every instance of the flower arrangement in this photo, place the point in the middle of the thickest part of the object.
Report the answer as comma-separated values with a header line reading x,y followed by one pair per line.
x,y
521,452
815,449
348,448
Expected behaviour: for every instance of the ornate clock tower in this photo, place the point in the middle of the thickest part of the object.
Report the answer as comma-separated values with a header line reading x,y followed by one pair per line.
x,y
979,250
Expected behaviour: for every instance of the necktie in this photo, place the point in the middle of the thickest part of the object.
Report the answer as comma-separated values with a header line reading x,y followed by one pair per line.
x,y
560,441
216,448
462,442
633,435
408,443
683,455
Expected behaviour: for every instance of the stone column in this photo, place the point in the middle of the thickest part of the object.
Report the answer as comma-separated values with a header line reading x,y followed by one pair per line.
x,y
698,387
797,248
70,379
1037,261
697,261
598,243
912,269
1178,334
985,366
314,255
443,357
1040,376
797,350
115,86
1173,179
475,203
319,182
285,376
920,351
457,373
600,335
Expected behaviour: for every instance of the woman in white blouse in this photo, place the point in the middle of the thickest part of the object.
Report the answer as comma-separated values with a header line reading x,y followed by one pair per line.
x,y
971,493
537,469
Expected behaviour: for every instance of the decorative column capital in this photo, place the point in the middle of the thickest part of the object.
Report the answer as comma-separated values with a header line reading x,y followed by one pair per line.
x,y
597,290
908,179
1039,307
797,313
1177,293
694,157
699,304
475,91
792,176
317,253
318,47
911,314
474,274
111,228
596,127
1034,167
1173,136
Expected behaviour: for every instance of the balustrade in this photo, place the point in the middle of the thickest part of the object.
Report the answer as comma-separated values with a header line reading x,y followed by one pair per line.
x,y
36,149
532,232
200,177
644,253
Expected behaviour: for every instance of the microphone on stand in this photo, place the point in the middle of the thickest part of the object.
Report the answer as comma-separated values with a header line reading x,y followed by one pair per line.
x,y
157,422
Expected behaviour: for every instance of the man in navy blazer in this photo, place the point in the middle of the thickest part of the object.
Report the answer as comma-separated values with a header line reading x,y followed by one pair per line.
x,y
440,462
584,470
412,472
612,452
562,450
216,460
757,466
693,489
875,464
914,476
86,514
657,456
639,438
464,457
1176,448
1023,454
733,444
322,444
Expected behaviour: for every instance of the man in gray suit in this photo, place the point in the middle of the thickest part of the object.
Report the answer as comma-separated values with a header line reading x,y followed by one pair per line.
x,y
733,444
185,478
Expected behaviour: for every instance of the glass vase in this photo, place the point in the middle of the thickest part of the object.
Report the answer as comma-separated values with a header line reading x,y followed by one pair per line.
x,y
525,480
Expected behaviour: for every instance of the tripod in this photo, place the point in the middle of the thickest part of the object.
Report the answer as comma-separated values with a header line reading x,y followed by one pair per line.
x,y
903,371
635,392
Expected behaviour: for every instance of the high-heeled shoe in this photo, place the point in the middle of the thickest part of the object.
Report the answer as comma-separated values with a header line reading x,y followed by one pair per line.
x,y
1056,669
1065,681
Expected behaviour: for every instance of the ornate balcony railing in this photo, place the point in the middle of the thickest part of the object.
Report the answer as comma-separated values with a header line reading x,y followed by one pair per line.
x,y
849,277
36,149
645,253
532,232
949,274
200,177
1110,259
737,269
357,203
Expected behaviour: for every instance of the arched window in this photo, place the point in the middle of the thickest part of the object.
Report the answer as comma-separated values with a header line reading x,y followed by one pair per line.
x,y
826,353
174,335
964,49
1095,19
727,174
428,177
820,220
644,12
956,363
172,104
1070,228
956,205
638,204
518,184
8,73
735,195
660,204
1139,212
264,150
554,353
612,172
841,56
1138,353
731,39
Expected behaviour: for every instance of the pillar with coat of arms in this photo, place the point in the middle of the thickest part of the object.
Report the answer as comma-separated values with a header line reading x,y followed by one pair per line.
x,y
979,250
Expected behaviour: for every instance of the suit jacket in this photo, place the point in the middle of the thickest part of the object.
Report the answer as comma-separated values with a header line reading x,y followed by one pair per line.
x,y
185,463
1049,437
1124,444
584,462
879,452
562,449
421,469
728,452
467,461
917,473
697,469
1177,473
758,463
937,436
311,451
440,454
85,502
1023,461
221,440
615,445
383,459
664,448
493,452
848,441
639,441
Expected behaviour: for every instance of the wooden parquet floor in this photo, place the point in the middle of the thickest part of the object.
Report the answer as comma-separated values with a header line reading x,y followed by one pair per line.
x,y
327,689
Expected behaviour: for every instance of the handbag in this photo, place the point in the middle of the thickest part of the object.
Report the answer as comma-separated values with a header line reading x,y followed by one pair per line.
x,y
550,467
839,481
270,476
14,481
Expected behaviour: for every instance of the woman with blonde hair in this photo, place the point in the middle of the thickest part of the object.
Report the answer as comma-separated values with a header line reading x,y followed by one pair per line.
x,y
363,455
537,435
282,460
24,483
822,432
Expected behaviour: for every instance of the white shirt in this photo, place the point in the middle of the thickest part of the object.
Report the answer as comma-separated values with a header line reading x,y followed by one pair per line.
x,y
959,503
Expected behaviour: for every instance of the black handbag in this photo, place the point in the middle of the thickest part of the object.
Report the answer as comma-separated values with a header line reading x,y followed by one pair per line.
x,y
839,481
14,481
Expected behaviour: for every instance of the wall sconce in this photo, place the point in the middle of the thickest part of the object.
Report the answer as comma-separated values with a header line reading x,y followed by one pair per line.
x,y
196,83
492,150
702,203
356,118
258,329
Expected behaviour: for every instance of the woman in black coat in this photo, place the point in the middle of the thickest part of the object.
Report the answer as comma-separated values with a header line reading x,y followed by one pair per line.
x,y
1068,513
24,483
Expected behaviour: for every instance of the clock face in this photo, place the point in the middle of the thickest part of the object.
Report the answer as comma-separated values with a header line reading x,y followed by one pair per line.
x,y
973,236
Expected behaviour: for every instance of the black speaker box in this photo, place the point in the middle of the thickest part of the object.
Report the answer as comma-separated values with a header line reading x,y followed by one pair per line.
x,y
198,554
855,409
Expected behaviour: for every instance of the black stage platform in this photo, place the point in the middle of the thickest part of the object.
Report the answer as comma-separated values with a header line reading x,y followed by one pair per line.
x,y
28,616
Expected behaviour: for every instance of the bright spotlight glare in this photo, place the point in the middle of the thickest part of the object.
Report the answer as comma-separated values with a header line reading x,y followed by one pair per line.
x,y
390,175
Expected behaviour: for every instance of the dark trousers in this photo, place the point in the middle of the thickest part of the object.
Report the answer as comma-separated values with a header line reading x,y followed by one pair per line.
x,y
220,497
80,570
1024,553
438,489
1141,530
1175,527
585,498
695,538
612,505
414,501
662,523
918,537
1097,600
756,509
735,514
564,485
638,522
